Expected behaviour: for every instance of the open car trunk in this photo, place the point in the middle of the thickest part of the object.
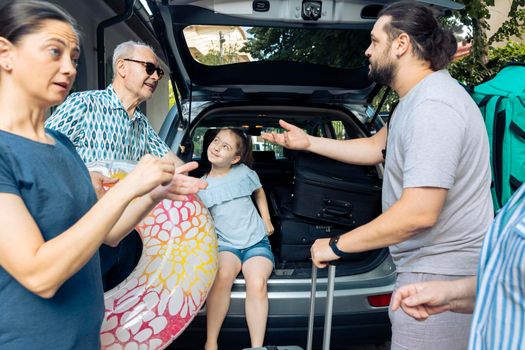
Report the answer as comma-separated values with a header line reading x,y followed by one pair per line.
x,y
309,196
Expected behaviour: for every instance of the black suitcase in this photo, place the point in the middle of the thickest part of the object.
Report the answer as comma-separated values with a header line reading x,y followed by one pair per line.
x,y
335,192
297,236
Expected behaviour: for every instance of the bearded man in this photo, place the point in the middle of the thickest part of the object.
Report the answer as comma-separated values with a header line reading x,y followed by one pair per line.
x,y
436,188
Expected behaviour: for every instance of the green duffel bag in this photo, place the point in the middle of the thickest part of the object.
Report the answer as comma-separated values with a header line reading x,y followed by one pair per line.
x,y
502,103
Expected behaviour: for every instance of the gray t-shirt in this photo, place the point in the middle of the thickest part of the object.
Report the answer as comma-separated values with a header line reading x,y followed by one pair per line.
x,y
437,138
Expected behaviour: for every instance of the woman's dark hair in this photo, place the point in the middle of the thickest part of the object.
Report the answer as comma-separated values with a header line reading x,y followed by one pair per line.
x,y
430,41
244,146
20,18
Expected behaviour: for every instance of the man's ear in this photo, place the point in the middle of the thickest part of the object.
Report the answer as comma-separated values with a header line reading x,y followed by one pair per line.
x,y
6,54
236,160
122,69
402,45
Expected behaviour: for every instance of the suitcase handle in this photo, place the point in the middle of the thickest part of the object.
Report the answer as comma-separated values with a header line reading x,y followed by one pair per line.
x,y
336,207
327,329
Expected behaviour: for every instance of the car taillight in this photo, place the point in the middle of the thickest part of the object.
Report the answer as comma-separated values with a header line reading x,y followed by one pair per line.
x,y
380,300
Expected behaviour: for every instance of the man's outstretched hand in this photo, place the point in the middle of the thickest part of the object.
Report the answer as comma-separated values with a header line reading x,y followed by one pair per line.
x,y
293,137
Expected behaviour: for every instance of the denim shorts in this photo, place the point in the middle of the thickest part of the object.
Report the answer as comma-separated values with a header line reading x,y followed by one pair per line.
x,y
262,248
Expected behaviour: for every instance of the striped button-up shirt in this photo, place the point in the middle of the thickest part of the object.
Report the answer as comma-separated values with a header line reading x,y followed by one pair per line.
x,y
98,125
499,317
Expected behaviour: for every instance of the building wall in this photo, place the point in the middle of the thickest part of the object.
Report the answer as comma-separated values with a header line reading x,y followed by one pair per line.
x,y
202,39
498,14
89,14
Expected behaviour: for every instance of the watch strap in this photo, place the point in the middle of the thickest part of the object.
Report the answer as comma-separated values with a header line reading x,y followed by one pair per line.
x,y
335,249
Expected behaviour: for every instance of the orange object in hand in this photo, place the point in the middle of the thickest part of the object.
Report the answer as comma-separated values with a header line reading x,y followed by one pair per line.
x,y
117,175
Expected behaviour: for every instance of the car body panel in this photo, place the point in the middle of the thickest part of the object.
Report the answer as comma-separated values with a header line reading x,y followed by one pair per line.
x,y
207,90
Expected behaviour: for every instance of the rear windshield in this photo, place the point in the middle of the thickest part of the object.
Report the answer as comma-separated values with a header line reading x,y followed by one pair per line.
x,y
258,144
219,45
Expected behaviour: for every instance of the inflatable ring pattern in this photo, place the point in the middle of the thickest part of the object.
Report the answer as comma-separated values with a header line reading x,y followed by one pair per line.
x,y
168,287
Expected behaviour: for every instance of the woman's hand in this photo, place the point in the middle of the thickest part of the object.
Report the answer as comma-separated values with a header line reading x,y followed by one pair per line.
x,y
180,185
100,182
149,173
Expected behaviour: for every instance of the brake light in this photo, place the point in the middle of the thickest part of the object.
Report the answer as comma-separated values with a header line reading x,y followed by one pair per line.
x,y
380,300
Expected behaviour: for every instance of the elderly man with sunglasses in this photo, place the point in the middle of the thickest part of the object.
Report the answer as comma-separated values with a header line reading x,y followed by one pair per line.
x,y
108,125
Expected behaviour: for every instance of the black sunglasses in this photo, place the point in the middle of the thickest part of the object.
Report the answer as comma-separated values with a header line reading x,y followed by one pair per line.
x,y
150,67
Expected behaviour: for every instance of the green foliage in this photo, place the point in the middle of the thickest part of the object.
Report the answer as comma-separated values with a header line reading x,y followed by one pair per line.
x,y
311,46
485,60
514,26
471,72
317,46
198,137
391,99
171,96
216,58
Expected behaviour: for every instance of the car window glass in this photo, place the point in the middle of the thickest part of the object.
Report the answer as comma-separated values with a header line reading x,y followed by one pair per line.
x,y
218,45
258,144
319,132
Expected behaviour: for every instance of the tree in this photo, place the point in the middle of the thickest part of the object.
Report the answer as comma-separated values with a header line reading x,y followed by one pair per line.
x,y
486,60
309,45
215,57
316,46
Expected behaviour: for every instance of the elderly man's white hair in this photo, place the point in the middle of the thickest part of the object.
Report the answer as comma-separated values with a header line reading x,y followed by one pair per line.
x,y
125,50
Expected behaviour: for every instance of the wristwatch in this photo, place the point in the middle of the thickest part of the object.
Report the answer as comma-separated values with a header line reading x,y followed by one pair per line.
x,y
335,249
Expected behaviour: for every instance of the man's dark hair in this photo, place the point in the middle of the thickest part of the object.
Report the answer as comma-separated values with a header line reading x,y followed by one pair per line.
x,y
21,18
430,41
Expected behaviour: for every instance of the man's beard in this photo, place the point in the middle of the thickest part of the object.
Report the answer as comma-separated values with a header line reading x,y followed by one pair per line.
x,y
383,75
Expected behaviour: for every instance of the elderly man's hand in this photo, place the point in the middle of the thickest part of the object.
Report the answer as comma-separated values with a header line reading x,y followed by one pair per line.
x,y
422,299
101,182
322,253
180,185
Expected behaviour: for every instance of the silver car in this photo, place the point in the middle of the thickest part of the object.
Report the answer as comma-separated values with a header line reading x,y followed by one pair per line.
x,y
247,64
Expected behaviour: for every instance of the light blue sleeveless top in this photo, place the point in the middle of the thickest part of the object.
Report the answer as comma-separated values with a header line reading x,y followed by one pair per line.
x,y
237,221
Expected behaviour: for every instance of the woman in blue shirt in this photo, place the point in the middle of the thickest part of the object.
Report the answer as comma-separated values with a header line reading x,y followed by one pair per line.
x,y
51,224
242,234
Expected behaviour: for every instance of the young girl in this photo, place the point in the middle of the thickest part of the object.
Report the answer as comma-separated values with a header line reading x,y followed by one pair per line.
x,y
242,233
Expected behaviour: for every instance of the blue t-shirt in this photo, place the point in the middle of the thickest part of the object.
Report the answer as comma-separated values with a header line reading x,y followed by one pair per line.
x,y
55,186
237,222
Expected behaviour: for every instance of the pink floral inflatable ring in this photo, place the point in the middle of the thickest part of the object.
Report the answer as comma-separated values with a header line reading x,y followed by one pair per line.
x,y
162,295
